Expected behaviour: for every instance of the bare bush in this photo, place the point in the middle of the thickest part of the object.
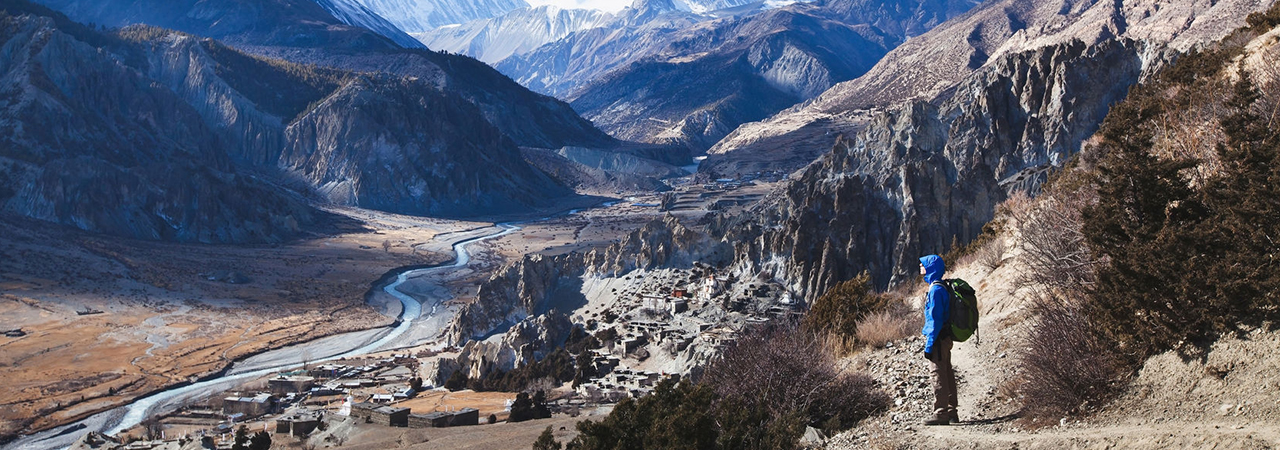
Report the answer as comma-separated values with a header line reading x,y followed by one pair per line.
x,y
991,255
1055,257
1068,367
784,371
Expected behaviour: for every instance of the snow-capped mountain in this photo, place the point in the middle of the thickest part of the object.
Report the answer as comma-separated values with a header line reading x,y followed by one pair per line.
x,y
418,16
705,6
351,12
514,33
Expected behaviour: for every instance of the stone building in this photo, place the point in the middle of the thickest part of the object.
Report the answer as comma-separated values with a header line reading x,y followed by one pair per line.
x,y
379,414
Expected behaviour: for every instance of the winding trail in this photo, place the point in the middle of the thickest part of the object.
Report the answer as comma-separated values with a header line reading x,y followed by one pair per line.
x,y
339,346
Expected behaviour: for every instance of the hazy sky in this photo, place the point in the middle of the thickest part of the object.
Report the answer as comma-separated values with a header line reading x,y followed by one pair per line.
x,y
607,5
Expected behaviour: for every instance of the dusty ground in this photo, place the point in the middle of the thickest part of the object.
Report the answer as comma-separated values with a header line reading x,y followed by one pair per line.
x,y
1228,400
162,320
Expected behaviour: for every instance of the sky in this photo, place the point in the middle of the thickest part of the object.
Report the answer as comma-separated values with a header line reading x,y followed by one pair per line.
x,y
607,5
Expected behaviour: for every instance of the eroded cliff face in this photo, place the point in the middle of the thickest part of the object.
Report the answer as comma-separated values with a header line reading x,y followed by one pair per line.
x,y
531,286
537,284
664,243
527,341
91,142
925,173
935,63
394,144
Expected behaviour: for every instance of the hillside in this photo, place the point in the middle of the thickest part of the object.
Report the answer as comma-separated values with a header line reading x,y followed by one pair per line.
x,y
932,66
238,129
924,173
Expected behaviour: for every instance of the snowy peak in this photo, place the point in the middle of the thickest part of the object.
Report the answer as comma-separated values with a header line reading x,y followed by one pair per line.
x,y
514,33
420,16
353,13
693,6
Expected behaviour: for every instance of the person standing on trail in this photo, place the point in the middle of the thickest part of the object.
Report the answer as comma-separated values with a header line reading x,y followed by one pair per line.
x,y
937,342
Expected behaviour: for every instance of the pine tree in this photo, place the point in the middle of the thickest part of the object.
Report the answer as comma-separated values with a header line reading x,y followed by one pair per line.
x,y
260,441
546,441
1143,204
241,439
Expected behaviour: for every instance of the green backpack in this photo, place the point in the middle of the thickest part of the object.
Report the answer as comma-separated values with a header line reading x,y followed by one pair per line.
x,y
964,309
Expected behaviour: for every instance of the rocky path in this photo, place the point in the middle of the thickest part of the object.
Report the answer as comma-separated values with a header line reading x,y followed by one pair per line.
x,y
1228,400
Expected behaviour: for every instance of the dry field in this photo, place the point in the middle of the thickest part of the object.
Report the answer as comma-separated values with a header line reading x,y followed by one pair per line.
x,y
487,402
107,319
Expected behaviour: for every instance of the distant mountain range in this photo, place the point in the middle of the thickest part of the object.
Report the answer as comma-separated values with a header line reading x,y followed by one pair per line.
x,y
417,16
659,73
514,33
154,133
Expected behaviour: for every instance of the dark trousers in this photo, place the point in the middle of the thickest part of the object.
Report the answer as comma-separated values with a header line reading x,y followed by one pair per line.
x,y
944,380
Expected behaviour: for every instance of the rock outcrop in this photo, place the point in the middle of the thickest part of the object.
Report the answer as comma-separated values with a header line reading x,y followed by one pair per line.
x,y
664,243
526,342
537,284
529,287
932,65
922,175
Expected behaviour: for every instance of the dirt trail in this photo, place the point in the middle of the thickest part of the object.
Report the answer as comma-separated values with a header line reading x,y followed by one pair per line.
x,y
1228,399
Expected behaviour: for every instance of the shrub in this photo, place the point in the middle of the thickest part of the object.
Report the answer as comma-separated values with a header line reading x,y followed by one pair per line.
x,y
760,395
546,441
1068,366
782,371
1055,257
678,415
990,255
838,310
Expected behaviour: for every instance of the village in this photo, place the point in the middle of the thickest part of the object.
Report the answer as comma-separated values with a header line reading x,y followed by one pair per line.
x,y
654,324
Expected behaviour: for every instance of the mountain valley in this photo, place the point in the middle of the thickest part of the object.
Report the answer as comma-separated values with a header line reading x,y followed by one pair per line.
x,y
234,224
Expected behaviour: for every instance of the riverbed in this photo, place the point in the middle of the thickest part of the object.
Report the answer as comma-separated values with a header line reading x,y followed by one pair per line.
x,y
329,348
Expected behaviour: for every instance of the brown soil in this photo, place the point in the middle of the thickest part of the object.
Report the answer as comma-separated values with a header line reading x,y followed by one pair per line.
x,y
161,319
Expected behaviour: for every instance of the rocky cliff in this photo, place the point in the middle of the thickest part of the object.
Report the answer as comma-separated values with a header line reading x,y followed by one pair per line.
x,y
528,287
536,284
92,142
151,133
394,144
713,77
931,65
923,174
527,341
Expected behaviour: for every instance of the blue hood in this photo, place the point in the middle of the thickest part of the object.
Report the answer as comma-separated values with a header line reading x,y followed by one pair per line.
x,y
933,268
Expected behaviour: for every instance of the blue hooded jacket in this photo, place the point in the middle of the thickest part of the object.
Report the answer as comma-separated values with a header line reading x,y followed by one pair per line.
x,y
937,307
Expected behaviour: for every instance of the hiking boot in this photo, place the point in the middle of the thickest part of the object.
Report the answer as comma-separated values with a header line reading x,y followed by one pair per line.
x,y
938,421
954,419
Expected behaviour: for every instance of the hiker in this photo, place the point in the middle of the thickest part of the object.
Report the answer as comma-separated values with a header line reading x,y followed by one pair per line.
x,y
937,342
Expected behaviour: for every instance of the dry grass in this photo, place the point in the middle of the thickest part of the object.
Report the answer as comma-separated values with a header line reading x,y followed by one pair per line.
x,y
884,327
